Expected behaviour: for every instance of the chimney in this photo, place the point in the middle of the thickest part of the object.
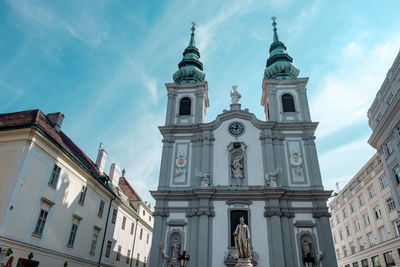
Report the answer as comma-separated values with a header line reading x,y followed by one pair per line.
x,y
56,119
101,159
115,173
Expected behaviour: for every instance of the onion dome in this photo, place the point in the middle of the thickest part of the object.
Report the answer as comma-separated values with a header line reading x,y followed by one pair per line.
x,y
279,64
190,67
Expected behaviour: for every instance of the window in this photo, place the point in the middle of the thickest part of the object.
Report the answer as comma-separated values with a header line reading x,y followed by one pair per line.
x,y
352,207
390,99
352,247
396,173
132,228
149,218
361,178
338,253
101,209
353,186
123,223
361,243
144,261
114,216
371,191
141,234
54,176
144,213
357,225
371,239
378,213
334,238
383,181
185,106
366,218
341,235
345,213
396,229
364,263
346,193
390,204
389,148
348,230
337,219
72,234
147,238
137,259
82,195
128,255
376,262
94,241
344,251
332,223
118,257
288,103
389,259
355,264
361,200
108,249
41,222
382,231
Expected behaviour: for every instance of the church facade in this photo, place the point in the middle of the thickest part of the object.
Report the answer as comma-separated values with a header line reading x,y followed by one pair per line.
x,y
266,171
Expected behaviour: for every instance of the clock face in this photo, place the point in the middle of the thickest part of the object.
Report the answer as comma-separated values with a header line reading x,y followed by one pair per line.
x,y
236,128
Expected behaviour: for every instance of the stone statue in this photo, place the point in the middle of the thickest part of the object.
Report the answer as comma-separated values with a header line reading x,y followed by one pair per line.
x,y
270,177
204,179
235,95
237,166
242,240
308,257
176,249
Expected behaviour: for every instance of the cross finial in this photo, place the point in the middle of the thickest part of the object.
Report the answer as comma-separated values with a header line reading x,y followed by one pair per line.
x,y
123,172
274,23
193,26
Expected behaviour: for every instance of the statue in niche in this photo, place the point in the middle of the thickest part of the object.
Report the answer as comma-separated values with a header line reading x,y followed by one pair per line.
x,y
270,177
235,95
176,249
308,251
237,159
242,240
204,179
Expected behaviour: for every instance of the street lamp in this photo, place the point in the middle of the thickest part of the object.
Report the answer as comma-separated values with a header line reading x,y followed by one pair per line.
x,y
183,259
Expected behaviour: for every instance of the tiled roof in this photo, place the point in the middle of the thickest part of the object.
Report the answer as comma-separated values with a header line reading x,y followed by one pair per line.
x,y
128,190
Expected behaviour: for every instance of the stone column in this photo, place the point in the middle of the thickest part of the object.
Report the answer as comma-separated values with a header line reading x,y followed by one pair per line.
x,y
160,217
204,213
325,238
312,162
167,162
273,213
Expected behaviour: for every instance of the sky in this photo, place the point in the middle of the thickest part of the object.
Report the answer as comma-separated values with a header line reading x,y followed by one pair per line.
x,y
104,65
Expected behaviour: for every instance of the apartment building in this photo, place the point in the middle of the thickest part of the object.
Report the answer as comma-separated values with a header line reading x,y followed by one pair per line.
x,y
58,207
363,220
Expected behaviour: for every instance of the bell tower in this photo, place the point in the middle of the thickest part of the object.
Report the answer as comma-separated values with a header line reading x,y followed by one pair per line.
x,y
284,95
187,96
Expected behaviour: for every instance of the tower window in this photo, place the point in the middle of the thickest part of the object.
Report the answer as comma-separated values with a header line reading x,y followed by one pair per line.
x,y
184,106
288,103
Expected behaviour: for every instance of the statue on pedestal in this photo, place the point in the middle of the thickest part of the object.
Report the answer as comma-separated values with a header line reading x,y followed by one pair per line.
x,y
235,95
242,244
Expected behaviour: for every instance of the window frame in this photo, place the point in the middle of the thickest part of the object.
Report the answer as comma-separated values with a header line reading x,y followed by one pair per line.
x,y
55,175
185,106
288,103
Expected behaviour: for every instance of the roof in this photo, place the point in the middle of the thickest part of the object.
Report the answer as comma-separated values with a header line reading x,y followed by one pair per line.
x,y
128,189
37,119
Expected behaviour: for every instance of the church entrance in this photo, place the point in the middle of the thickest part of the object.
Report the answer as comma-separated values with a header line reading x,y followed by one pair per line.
x,y
27,263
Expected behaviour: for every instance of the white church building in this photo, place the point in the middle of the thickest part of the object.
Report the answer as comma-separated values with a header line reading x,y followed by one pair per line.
x,y
265,170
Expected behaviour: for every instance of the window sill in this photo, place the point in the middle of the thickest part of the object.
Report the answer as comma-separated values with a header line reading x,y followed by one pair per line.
x,y
52,186
70,246
81,203
99,216
37,235
91,253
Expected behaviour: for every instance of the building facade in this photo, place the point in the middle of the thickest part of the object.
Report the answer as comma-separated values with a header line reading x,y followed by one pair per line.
x,y
266,171
384,120
58,207
364,218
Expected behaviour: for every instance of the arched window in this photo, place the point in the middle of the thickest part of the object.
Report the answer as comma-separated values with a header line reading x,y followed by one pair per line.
x,y
184,106
288,103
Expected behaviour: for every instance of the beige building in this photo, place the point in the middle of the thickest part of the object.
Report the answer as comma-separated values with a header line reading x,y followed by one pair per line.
x,y
363,220
58,207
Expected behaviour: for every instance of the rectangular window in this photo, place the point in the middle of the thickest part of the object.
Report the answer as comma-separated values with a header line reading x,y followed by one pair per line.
x,y
114,216
361,243
378,213
390,204
72,234
357,225
137,259
128,257
371,239
41,222
376,262
344,251
361,200
355,264
396,173
383,181
338,254
361,178
390,99
108,249
332,223
334,239
147,238
389,259
337,219
123,223
118,257
94,241
144,261
353,186
348,230
352,207
364,263
345,213
371,191
54,176
389,148
382,231
366,218
101,209
341,235
352,247
141,234
345,193
82,195
132,228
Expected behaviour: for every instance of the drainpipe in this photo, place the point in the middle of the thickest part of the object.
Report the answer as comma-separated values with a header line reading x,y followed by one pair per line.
x,y
134,240
105,230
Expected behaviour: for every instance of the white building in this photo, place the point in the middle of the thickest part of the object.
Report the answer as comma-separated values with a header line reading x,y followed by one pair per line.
x,y
364,218
57,207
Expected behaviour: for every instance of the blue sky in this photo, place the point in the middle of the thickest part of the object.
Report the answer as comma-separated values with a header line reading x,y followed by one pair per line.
x,y
104,65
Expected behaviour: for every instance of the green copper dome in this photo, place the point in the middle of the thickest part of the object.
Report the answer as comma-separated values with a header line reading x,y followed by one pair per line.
x,y
279,63
190,67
